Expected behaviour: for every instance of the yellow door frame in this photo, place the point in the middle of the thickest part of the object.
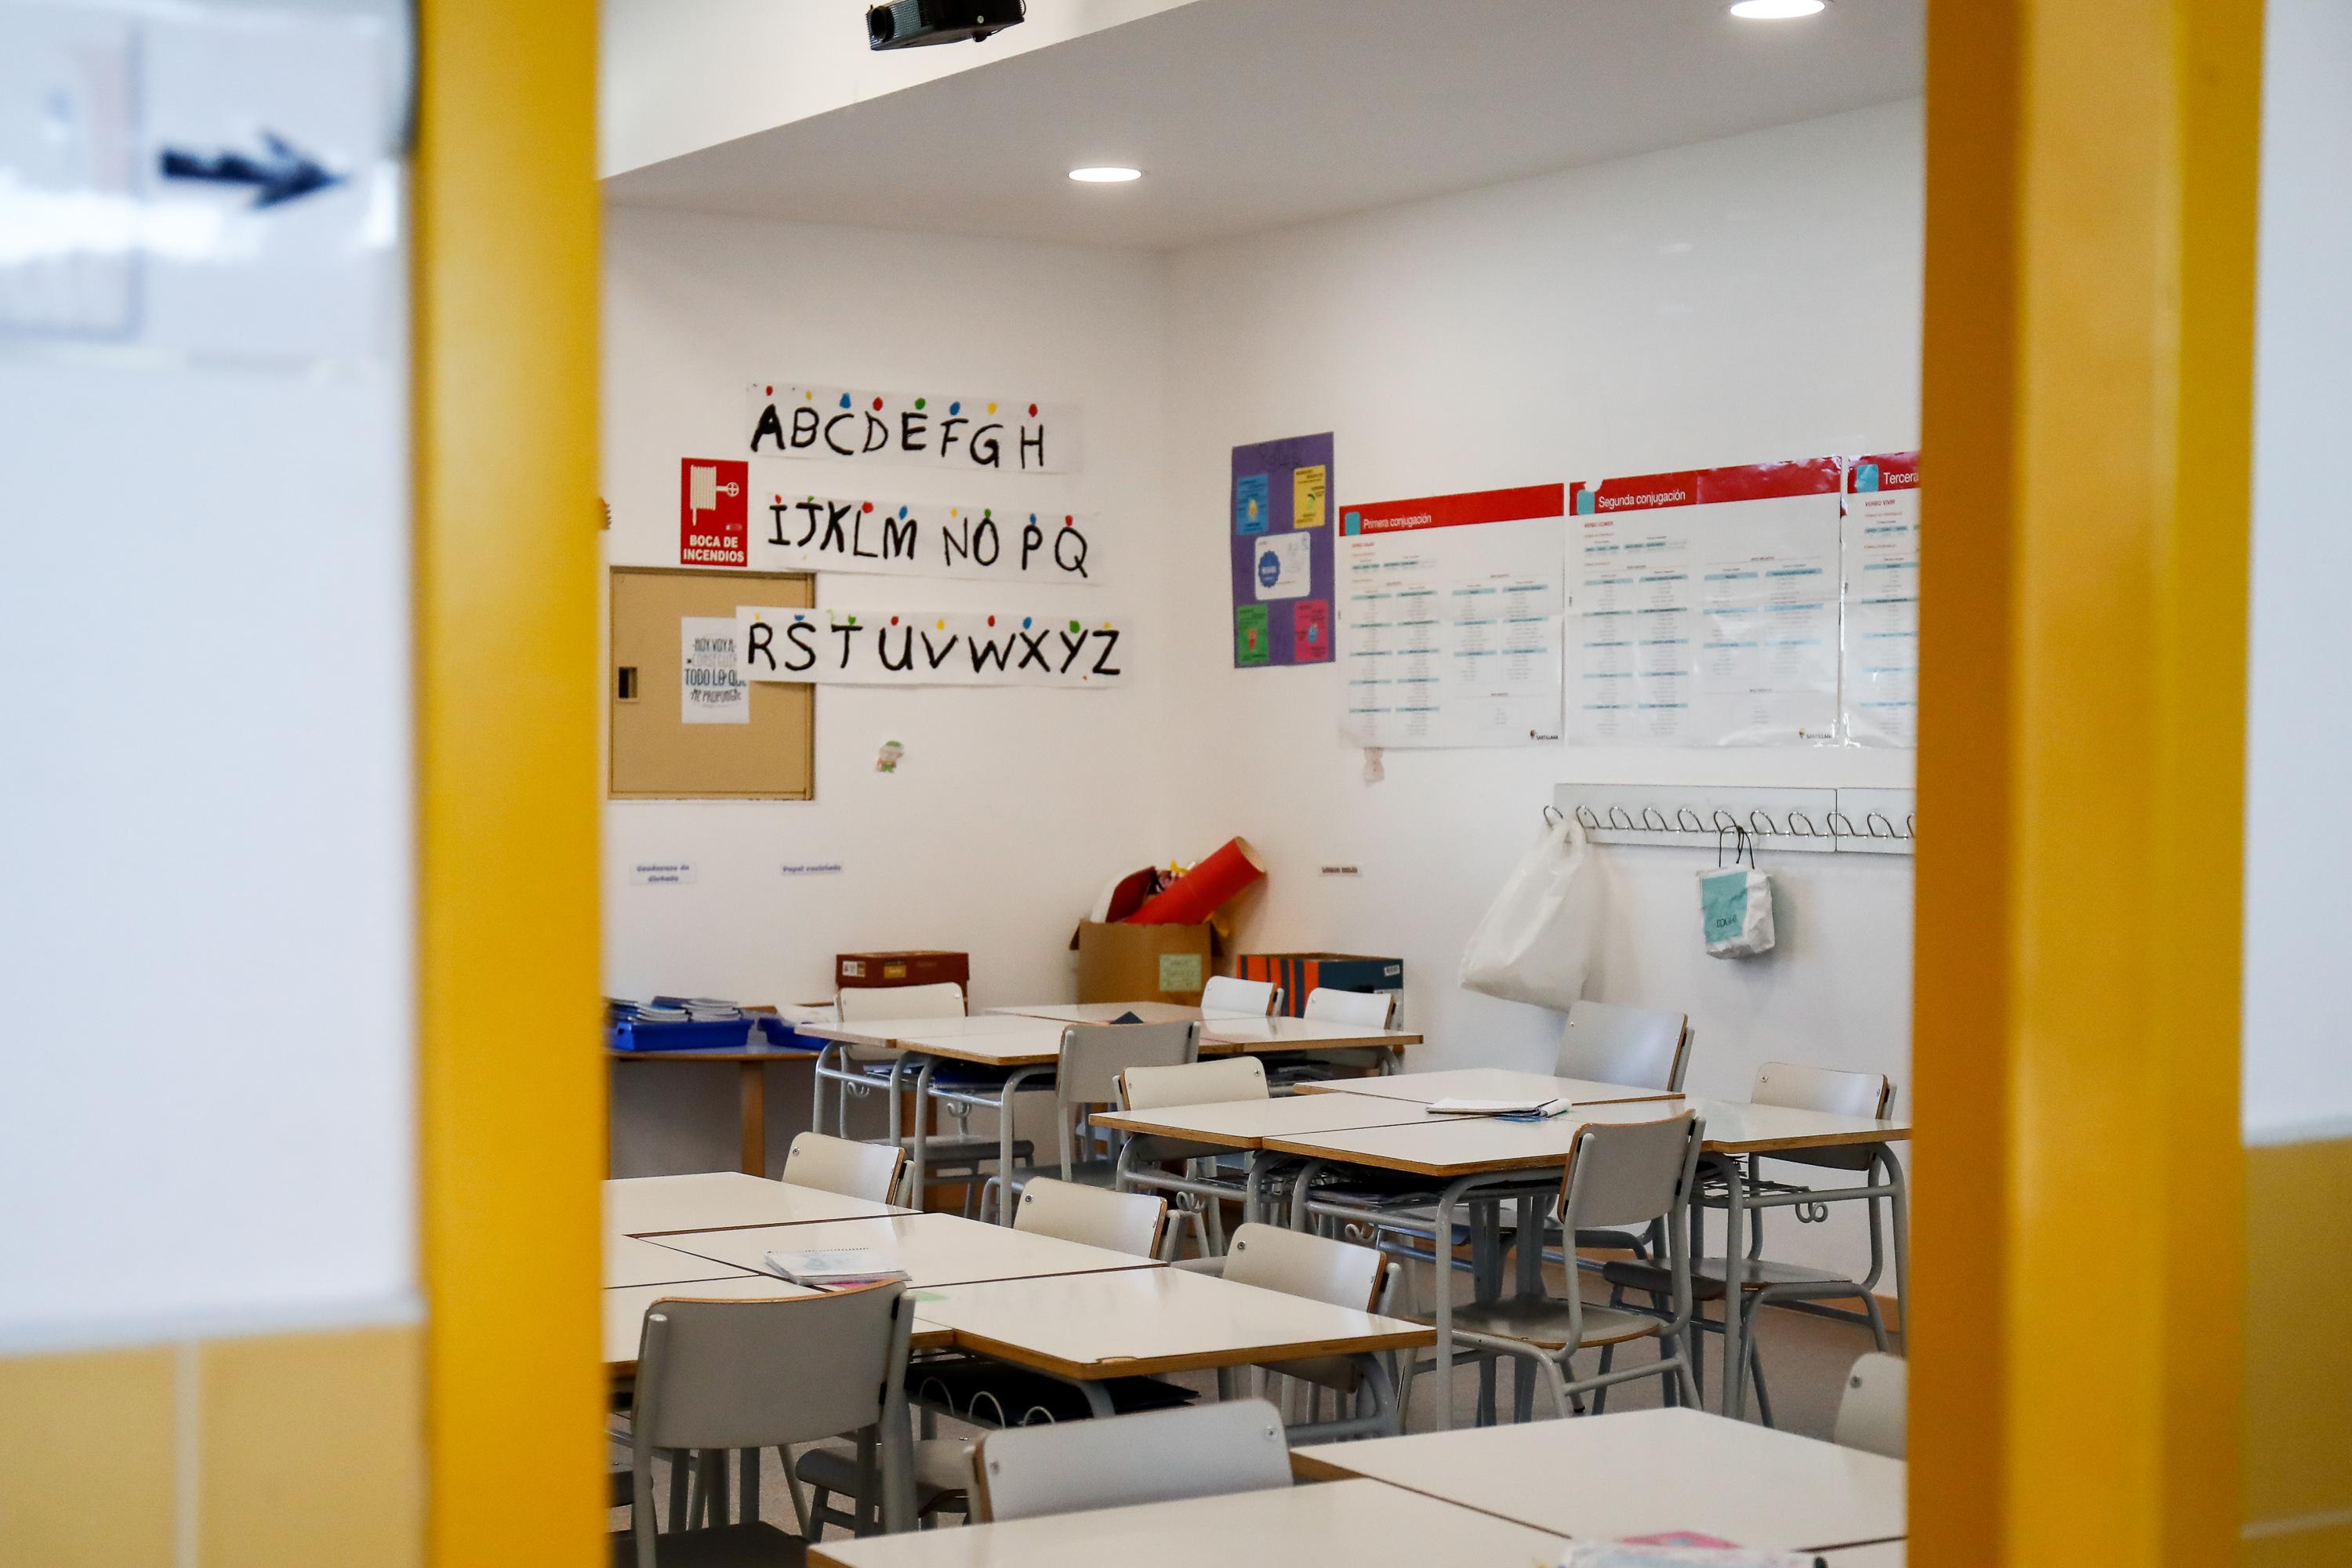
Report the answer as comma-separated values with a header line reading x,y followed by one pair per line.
x,y
505,291
2092,180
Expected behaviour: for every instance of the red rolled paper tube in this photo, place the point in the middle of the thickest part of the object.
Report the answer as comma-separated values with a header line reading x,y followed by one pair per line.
x,y
1203,890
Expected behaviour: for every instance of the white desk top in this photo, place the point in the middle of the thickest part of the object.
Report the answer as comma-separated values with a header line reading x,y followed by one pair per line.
x,y
1104,1012
1642,1472
933,1249
1248,1123
1449,1146
1885,1555
628,1262
1254,1034
882,1034
1349,1524
1488,1083
1014,1041
718,1200
1139,1320
1737,1127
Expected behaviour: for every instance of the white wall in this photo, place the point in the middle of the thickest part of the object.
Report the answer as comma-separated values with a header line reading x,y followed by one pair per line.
x,y
678,75
2298,1075
1012,806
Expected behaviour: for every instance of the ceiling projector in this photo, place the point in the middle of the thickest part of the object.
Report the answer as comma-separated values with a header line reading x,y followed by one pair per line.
x,y
908,24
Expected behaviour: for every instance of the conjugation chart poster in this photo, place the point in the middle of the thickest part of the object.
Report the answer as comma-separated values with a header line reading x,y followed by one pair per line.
x,y
1704,606
1281,540
1882,600
1452,608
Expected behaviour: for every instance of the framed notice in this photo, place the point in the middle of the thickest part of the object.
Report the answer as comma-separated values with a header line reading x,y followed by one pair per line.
x,y
1279,532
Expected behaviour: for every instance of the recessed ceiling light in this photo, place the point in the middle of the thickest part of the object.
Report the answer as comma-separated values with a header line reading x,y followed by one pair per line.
x,y
1777,10
1108,174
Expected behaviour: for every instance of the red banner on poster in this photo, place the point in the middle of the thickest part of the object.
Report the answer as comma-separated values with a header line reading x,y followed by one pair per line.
x,y
714,508
1454,511
1706,487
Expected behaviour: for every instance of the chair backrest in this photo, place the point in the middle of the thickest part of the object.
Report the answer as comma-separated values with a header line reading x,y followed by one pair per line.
x,y
840,1166
1093,1055
1276,1257
1628,1173
1196,1083
1366,1009
858,1002
1802,1088
1206,1451
1647,1047
1123,1222
1871,1414
751,1374
1227,996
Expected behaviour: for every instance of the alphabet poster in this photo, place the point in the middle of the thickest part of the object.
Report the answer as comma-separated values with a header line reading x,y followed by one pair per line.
x,y
839,424
795,531
929,648
1281,543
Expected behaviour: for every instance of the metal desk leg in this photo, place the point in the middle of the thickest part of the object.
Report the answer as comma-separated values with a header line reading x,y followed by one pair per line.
x,y
752,1091
1012,1086
1735,1289
1444,1247
918,1156
1901,1208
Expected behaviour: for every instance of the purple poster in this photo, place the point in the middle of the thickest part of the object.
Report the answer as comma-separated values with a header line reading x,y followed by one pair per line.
x,y
1280,531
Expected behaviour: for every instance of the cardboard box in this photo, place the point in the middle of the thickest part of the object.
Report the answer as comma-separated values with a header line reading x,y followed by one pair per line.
x,y
915,966
1300,972
1123,962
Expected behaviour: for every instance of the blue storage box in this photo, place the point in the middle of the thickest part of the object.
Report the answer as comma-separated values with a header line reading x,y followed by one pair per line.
x,y
638,1034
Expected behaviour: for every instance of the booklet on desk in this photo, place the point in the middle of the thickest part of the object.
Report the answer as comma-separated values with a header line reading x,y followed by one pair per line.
x,y
1531,1109
1679,1551
836,1269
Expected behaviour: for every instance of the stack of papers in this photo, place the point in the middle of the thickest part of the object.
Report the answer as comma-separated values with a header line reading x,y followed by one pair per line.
x,y
1535,1107
836,1269
1669,1552
650,1013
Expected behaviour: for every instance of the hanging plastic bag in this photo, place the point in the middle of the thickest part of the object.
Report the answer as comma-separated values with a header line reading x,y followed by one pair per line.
x,y
1735,903
1535,941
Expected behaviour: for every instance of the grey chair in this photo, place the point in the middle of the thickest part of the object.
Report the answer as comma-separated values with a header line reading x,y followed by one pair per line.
x,y
1092,1058
1145,1159
1768,1282
1872,1416
718,1375
840,1165
1647,1047
1339,1274
1618,1174
1159,1456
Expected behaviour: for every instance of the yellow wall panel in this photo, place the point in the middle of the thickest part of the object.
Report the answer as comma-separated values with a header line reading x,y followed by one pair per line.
x,y
311,1450
87,1464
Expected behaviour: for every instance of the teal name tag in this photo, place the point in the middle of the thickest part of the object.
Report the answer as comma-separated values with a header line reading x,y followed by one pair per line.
x,y
1723,905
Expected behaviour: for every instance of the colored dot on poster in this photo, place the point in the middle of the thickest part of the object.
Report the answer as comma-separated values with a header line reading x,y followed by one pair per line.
x,y
953,511
1074,626
1069,522
771,392
853,620
780,501
902,511
992,408
955,407
878,405
919,402
808,397
943,625
845,400
1033,517
1024,623
1033,410
894,620
798,617
869,506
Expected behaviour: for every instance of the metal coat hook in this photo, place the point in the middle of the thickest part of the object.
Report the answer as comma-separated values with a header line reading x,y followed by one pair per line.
x,y
1875,821
1592,822
1628,826
1841,825
1551,817
1807,830
1650,811
1768,827
1682,812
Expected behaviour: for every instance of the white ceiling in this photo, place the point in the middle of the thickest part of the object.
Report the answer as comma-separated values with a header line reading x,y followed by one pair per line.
x,y
1253,114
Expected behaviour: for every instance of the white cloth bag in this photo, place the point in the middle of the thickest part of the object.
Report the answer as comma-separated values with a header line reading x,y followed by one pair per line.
x,y
1734,906
1535,941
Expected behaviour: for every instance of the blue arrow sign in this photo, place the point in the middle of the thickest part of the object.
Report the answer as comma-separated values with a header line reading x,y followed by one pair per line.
x,y
284,175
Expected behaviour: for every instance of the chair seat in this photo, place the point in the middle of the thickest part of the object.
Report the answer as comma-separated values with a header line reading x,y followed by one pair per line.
x,y
942,1469
725,1546
1543,1320
1707,1279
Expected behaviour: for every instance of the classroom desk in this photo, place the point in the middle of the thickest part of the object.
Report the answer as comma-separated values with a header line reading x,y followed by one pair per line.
x,y
1132,1322
1881,1555
624,1308
1104,1012
894,1033
933,1249
1348,1524
1466,1154
751,1090
722,1200
1015,1052
1492,1083
1642,1472
629,1261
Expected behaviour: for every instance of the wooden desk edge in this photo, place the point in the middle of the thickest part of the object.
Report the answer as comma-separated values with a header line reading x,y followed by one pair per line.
x,y
1445,1171
1194,1360
1307,1468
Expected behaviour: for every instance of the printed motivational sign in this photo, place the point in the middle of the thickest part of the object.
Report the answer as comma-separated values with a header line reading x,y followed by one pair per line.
x,y
710,673
800,532
839,424
929,648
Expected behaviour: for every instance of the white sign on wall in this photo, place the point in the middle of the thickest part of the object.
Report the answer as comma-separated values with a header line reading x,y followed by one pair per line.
x,y
796,532
929,648
712,689
840,424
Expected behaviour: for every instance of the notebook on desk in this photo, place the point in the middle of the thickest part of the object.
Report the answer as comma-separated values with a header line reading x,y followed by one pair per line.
x,y
834,1269
1532,1108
